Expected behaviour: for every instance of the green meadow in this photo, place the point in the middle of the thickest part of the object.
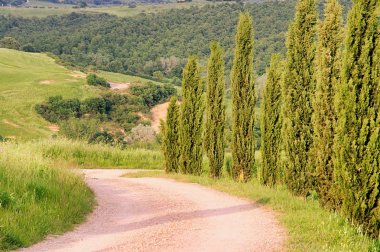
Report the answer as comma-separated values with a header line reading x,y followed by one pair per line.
x,y
30,78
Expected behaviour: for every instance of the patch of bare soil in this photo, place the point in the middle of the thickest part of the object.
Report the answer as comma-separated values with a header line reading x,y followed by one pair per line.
x,y
46,82
119,86
53,128
159,112
161,215
77,74
14,125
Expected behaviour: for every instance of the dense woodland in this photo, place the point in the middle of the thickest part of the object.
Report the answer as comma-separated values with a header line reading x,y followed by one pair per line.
x,y
152,45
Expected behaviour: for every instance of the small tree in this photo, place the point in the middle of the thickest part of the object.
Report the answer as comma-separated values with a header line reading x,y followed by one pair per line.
x,y
328,67
191,119
94,80
170,137
215,111
10,43
271,123
243,102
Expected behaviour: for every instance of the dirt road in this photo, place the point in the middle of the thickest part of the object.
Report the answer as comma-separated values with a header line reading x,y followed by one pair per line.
x,y
153,214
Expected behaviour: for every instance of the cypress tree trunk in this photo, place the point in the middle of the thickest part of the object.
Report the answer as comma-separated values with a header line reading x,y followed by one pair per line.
x,y
170,135
271,123
215,111
358,140
191,119
298,90
328,58
243,102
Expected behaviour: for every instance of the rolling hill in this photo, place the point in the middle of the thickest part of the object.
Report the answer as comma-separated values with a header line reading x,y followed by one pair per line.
x,y
30,78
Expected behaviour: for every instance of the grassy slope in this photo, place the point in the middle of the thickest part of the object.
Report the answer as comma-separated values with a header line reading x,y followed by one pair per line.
x,y
36,199
22,78
122,78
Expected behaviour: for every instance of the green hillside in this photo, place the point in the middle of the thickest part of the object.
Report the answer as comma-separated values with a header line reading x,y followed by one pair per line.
x,y
27,79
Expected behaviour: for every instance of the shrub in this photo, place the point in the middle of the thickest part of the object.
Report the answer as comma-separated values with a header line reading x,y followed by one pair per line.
x,y
94,80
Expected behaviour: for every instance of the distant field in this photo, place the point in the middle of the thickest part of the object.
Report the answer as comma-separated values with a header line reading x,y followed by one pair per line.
x,y
44,9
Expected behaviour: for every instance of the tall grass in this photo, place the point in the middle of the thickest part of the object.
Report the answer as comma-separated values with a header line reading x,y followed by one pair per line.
x,y
37,199
99,156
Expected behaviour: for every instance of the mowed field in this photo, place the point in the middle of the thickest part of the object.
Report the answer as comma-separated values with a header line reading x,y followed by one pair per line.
x,y
43,9
27,79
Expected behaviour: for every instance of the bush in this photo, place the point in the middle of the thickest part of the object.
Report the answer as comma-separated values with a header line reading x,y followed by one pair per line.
x,y
79,129
10,43
94,80
153,94
141,133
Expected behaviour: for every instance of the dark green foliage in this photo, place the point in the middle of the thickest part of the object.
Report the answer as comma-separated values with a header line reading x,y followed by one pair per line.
x,y
358,102
271,123
5,200
328,65
57,109
145,43
94,80
243,102
215,111
298,89
170,137
153,94
10,43
191,119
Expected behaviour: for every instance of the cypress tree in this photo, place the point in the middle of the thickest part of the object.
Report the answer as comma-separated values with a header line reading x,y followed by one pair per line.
x,y
271,123
170,137
358,103
215,111
328,67
191,119
298,89
243,102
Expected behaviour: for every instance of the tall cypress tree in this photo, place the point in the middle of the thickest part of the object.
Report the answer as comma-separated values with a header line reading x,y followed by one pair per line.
x,y
243,101
328,58
191,119
298,89
170,137
358,100
271,123
215,111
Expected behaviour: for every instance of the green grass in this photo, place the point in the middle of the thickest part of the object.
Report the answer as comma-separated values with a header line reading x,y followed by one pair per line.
x,y
27,79
83,155
122,78
37,199
309,227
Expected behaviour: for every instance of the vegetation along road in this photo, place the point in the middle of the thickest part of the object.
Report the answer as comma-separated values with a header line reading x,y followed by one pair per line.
x,y
155,214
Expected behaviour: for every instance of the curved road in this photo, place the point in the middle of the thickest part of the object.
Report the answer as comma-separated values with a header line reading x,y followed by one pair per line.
x,y
154,214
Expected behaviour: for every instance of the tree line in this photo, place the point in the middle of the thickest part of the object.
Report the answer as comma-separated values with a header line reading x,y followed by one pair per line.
x,y
320,121
152,45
